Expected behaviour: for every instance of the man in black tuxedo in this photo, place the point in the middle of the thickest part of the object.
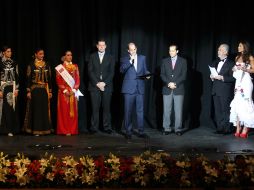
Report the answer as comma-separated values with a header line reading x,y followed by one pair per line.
x,y
101,68
173,75
223,90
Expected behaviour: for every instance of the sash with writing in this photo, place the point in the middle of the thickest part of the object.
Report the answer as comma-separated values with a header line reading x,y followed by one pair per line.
x,y
68,79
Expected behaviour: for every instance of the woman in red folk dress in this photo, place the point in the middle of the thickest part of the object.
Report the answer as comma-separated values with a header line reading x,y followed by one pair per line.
x,y
68,80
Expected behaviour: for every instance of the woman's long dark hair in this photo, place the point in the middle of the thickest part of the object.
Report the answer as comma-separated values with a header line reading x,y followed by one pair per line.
x,y
5,48
246,52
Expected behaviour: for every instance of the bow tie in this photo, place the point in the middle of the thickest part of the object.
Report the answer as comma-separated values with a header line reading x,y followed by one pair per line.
x,y
223,60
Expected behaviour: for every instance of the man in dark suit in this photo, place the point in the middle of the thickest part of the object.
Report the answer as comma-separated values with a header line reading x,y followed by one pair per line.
x,y
101,72
223,90
173,75
133,67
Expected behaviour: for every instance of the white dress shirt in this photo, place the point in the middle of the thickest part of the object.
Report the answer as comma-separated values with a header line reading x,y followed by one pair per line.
x,y
173,60
135,58
221,63
101,55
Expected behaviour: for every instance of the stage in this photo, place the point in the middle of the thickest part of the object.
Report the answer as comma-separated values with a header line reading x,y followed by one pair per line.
x,y
194,142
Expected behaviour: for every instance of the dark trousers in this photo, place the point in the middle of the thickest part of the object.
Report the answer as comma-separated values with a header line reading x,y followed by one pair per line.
x,y
98,99
133,103
222,113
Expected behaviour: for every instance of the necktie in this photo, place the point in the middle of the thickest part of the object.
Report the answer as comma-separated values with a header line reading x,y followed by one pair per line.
x,y
101,57
173,64
135,64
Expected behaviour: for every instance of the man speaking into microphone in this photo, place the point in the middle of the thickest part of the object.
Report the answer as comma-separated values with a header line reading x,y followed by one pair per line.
x,y
133,67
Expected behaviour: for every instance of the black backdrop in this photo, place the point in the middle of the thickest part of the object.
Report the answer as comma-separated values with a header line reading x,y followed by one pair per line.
x,y
196,26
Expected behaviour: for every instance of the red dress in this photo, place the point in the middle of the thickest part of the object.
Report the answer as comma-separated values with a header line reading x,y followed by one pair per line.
x,y
67,106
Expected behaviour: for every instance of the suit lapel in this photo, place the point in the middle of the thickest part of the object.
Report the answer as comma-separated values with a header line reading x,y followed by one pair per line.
x,y
103,59
224,66
169,64
98,58
176,64
138,64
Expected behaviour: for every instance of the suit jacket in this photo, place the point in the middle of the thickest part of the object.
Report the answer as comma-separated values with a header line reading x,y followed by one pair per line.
x,y
176,75
131,83
224,88
101,72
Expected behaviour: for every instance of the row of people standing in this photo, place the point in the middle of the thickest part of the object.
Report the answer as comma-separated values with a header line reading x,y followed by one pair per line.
x,y
39,92
134,68
232,91
101,72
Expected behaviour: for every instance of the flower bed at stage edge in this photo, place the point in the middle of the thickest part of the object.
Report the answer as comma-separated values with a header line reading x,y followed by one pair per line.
x,y
145,170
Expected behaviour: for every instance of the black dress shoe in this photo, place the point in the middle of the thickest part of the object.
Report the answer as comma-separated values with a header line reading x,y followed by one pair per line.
x,y
143,135
108,131
92,131
179,133
166,132
127,136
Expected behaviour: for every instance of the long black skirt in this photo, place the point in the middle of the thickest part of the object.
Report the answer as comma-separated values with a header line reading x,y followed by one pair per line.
x,y
37,119
9,119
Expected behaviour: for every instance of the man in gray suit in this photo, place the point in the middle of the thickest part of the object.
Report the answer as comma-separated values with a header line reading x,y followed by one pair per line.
x,y
173,75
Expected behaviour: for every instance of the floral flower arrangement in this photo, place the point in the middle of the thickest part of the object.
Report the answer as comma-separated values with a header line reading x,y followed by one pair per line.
x,y
146,170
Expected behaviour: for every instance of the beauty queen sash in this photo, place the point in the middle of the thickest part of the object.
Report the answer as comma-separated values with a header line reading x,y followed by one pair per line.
x,y
68,79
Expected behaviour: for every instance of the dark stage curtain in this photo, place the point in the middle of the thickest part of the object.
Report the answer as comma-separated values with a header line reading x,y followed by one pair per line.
x,y
198,27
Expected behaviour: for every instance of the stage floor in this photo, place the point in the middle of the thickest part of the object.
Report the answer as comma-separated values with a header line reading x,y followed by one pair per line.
x,y
194,142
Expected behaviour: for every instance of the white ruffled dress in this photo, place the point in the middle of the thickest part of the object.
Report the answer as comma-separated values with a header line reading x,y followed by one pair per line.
x,y
242,105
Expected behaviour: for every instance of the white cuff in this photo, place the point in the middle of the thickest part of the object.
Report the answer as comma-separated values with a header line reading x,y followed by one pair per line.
x,y
65,91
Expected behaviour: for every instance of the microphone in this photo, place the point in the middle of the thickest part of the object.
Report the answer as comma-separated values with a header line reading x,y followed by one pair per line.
x,y
131,60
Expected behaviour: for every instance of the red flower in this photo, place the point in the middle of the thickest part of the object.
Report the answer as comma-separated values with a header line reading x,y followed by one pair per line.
x,y
12,171
80,168
99,162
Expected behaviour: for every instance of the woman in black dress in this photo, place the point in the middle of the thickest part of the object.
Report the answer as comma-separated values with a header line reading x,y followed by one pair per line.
x,y
38,119
8,93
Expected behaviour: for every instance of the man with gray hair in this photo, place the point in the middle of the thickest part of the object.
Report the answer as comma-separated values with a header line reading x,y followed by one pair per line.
x,y
223,90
